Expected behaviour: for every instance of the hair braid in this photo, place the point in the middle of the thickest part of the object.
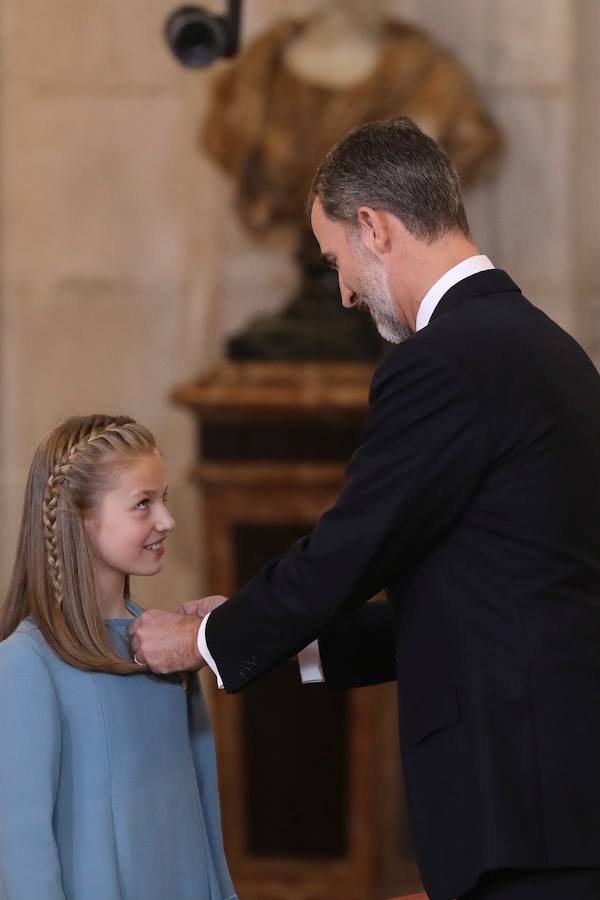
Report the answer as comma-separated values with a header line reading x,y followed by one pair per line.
x,y
53,488
49,519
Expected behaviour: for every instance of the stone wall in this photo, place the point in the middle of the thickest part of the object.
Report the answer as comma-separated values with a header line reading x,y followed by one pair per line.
x,y
122,267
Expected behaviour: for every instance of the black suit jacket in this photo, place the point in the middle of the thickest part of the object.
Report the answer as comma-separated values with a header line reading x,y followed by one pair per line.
x,y
473,499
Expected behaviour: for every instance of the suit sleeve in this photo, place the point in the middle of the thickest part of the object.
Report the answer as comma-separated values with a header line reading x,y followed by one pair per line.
x,y
359,649
30,747
424,449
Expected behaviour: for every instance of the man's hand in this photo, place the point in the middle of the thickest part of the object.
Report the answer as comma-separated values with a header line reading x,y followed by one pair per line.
x,y
166,641
203,606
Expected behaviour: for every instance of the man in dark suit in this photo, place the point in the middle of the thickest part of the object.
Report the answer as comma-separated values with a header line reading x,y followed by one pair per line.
x,y
472,499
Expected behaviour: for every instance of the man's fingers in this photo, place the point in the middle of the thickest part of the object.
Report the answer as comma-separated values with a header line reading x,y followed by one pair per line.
x,y
187,608
147,616
203,606
134,625
192,608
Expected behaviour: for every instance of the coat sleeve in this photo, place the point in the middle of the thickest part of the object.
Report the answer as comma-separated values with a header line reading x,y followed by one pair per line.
x,y
424,450
30,747
359,649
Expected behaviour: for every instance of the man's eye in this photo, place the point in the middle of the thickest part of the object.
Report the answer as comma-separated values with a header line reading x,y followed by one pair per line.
x,y
143,504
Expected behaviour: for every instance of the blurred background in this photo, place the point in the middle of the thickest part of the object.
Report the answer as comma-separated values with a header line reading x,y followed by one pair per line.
x,y
142,229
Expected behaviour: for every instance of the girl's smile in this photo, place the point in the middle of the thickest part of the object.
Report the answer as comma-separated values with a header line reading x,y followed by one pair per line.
x,y
157,547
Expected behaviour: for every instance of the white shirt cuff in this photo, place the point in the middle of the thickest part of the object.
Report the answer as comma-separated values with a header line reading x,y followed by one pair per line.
x,y
205,652
309,660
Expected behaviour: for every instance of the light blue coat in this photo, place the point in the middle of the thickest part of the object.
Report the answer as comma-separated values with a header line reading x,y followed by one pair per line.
x,y
108,785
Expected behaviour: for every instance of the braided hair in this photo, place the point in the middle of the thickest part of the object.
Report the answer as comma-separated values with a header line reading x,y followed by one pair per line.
x,y
79,440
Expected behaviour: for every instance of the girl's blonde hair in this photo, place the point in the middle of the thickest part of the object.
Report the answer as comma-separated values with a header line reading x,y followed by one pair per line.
x,y
53,577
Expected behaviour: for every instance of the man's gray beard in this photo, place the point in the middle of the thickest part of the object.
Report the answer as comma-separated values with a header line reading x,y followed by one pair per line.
x,y
381,310
376,297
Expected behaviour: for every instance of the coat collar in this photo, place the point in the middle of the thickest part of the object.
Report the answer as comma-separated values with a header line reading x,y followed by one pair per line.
x,y
491,281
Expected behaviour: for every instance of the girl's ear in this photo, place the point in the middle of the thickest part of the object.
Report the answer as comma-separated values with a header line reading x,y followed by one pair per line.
x,y
374,230
90,524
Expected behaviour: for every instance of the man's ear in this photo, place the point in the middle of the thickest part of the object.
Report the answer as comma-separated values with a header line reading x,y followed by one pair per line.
x,y
374,230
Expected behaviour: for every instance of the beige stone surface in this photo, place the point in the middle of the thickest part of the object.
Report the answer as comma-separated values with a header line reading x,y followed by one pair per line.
x,y
585,164
531,44
531,188
75,45
94,194
463,31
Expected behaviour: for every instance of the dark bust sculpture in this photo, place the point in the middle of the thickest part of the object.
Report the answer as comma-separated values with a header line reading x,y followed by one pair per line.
x,y
314,325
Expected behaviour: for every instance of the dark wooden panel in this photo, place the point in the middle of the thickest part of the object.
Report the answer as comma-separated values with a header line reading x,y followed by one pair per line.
x,y
295,740
295,767
267,441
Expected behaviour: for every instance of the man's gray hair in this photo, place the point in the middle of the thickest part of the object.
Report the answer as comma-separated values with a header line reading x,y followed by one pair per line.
x,y
392,166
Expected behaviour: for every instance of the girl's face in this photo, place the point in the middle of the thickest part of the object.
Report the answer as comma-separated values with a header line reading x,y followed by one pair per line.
x,y
128,531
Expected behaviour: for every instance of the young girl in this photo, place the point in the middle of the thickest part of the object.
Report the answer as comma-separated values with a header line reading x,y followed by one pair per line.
x,y
108,784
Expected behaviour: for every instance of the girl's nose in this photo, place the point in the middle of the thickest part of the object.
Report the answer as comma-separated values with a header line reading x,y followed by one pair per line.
x,y
165,522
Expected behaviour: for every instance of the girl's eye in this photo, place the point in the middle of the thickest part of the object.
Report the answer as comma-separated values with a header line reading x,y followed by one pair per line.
x,y
143,504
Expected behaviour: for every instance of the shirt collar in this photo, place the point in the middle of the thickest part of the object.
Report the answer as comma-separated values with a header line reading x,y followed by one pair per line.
x,y
467,267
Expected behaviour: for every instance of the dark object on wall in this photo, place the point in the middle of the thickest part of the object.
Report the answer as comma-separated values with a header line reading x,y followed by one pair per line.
x,y
197,38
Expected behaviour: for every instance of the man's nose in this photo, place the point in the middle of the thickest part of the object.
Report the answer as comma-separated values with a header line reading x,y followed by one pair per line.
x,y
348,296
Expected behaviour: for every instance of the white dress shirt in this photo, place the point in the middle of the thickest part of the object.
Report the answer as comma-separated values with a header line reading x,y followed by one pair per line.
x,y
309,659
